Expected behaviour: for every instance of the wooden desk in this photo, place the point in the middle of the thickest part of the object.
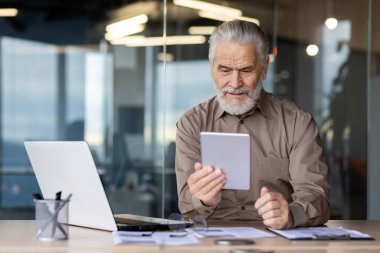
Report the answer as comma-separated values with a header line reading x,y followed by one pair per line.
x,y
19,236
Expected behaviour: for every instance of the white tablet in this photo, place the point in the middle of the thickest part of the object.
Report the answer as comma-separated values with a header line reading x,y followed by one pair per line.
x,y
231,153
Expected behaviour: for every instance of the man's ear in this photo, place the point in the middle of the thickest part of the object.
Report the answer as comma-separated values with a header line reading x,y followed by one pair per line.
x,y
265,69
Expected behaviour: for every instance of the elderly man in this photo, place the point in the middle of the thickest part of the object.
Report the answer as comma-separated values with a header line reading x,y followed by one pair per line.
x,y
289,185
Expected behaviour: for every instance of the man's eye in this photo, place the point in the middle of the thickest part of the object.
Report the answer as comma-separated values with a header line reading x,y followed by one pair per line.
x,y
225,70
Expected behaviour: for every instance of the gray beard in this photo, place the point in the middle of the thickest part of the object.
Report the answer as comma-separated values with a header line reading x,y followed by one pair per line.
x,y
234,107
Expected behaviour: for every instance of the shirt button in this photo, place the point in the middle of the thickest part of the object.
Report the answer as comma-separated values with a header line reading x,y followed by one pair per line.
x,y
242,208
241,121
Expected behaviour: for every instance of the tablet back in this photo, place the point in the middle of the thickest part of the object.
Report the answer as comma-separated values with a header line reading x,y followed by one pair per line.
x,y
230,152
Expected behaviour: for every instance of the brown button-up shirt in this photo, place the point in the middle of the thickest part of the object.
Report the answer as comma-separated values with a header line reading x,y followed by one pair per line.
x,y
286,156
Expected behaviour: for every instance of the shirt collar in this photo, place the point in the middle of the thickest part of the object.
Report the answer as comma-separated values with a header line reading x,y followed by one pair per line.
x,y
262,106
219,111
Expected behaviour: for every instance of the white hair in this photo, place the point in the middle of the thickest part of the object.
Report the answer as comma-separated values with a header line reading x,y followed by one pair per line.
x,y
242,32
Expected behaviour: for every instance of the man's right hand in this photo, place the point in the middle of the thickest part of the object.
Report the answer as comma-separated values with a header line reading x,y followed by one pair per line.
x,y
206,184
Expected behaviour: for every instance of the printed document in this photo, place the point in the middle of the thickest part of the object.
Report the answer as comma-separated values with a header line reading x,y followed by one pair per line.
x,y
233,232
166,238
322,233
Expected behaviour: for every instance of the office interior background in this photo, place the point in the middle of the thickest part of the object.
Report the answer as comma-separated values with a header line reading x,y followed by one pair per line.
x,y
69,71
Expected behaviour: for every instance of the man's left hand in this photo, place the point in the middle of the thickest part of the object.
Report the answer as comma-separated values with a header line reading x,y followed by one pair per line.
x,y
273,208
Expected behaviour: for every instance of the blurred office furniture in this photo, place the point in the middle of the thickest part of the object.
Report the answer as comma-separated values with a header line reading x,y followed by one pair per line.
x,y
130,190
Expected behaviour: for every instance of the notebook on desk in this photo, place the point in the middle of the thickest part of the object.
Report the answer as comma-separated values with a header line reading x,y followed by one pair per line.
x,y
68,166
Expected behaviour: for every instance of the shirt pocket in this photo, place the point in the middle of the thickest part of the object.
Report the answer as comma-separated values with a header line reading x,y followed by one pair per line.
x,y
274,172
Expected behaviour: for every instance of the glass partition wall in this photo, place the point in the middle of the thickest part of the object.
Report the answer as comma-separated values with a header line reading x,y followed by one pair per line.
x,y
82,75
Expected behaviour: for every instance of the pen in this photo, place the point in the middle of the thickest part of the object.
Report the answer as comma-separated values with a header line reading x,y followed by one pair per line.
x,y
137,234
214,230
55,221
183,234
37,196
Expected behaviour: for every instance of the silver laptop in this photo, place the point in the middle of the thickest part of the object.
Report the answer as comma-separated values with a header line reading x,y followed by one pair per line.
x,y
68,166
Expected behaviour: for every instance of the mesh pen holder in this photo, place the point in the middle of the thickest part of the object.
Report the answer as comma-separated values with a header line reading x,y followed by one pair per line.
x,y
52,219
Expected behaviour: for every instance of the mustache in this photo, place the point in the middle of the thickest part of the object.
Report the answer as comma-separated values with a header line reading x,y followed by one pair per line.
x,y
231,90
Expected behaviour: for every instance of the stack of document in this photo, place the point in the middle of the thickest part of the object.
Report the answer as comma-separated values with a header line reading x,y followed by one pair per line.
x,y
189,236
234,232
322,233
167,238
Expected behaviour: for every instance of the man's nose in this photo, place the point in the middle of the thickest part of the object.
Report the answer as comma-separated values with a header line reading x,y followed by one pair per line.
x,y
235,80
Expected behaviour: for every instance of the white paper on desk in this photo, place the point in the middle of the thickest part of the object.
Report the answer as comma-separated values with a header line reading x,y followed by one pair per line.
x,y
315,232
170,238
210,232
354,234
120,237
234,232
167,238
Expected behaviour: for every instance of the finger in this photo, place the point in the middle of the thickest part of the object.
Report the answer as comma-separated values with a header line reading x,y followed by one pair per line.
x,y
212,184
198,184
197,175
206,183
270,196
263,191
211,194
277,217
210,176
274,213
261,200
264,199
270,205
197,166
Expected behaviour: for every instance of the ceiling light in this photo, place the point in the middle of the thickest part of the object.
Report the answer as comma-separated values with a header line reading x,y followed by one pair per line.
x,y
200,5
331,23
312,50
211,15
134,9
126,23
219,17
201,29
124,32
8,12
126,27
141,41
165,57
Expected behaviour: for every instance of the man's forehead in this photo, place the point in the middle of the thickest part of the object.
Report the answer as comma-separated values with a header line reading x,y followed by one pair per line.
x,y
234,60
235,53
222,46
